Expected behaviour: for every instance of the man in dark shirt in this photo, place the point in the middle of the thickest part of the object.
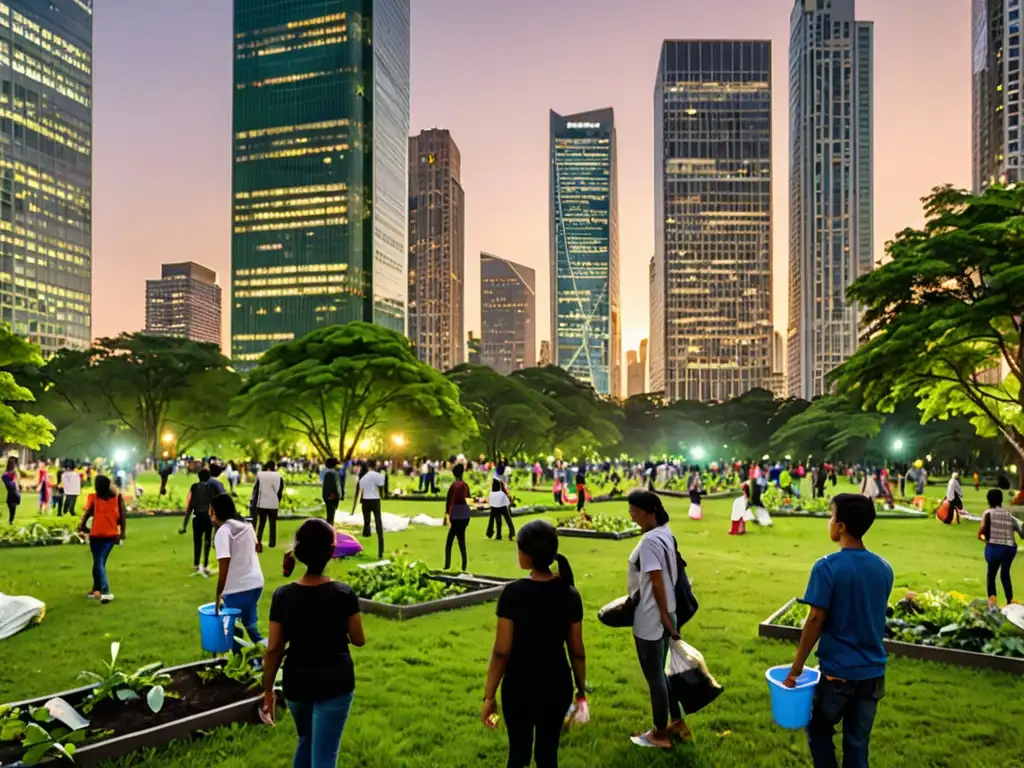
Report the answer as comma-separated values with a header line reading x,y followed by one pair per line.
x,y
332,489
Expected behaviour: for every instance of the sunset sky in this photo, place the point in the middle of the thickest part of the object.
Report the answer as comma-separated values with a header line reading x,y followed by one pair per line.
x,y
489,72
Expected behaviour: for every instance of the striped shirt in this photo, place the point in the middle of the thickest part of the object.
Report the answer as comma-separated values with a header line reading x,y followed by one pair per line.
x,y
999,526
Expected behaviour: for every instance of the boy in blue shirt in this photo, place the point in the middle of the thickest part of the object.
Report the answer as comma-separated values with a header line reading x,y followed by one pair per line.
x,y
848,594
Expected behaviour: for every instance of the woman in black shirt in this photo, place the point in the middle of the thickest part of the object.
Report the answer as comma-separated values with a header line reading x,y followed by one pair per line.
x,y
316,618
537,618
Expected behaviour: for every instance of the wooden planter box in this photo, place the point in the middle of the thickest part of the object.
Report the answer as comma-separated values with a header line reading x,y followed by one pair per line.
x,y
46,543
483,590
243,711
576,533
959,658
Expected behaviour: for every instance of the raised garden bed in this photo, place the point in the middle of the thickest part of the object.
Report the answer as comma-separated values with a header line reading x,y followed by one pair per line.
x,y
51,532
771,628
200,707
402,590
576,533
587,526
728,494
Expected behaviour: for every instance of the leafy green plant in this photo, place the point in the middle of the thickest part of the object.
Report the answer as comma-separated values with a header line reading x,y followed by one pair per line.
x,y
149,681
794,617
598,523
245,666
400,583
30,729
40,532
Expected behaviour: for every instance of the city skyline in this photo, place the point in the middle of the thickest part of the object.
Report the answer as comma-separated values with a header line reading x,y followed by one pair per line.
x,y
154,155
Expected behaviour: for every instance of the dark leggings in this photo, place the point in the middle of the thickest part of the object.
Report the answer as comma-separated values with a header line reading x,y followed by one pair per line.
x,y
534,728
581,497
651,654
497,514
12,507
263,515
372,507
456,530
1000,558
201,537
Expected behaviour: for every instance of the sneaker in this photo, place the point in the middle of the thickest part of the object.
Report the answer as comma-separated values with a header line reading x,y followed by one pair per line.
x,y
94,595
107,598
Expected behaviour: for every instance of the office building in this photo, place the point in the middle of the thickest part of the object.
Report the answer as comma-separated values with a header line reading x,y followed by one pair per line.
x,y
996,108
545,354
831,226
508,307
636,370
46,171
184,303
320,174
656,285
713,217
584,248
437,249
473,349
778,385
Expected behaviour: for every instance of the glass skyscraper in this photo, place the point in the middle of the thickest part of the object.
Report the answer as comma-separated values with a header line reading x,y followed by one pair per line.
x,y
713,199
46,171
320,204
508,306
831,191
584,239
996,109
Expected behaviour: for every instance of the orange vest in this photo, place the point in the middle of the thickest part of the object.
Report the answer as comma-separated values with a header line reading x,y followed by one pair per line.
x,y
106,516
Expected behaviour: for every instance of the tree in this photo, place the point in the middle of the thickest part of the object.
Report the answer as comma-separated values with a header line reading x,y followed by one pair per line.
x,y
578,415
16,426
337,384
832,428
512,418
144,386
942,319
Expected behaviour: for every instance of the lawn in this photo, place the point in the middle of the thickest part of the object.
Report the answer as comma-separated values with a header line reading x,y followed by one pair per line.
x,y
420,683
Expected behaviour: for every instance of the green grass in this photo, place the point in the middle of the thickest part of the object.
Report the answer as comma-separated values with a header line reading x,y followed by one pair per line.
x,y
420,683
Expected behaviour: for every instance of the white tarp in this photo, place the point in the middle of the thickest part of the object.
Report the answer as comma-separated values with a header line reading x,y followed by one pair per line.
x,y
390,523
16,613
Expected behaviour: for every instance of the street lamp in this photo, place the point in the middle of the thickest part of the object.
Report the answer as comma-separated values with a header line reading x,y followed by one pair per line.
x,y
398,440
698,453
897,445
168,438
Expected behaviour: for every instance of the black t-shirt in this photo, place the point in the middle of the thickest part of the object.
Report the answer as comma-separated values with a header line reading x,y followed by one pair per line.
x,y
541,613
318,665
200,495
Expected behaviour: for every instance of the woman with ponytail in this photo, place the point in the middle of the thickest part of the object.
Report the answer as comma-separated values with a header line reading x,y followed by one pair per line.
x,y
652,576
316,619
538,618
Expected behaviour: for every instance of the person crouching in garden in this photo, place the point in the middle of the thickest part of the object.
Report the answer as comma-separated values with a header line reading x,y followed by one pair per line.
x,y
456,517
240,578
652,576
997,530
106,509
314,619
538,618
848,594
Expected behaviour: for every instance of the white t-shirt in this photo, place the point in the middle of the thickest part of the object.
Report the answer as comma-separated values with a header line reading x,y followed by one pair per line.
x,y
266,492
370,484
499,499
237,540
655,552
71,482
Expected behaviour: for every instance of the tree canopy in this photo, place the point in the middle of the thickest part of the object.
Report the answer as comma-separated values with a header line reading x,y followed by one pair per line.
x,y
17,426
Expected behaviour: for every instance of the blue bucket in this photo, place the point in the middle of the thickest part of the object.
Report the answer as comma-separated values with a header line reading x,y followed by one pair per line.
x,y
216,631
791,707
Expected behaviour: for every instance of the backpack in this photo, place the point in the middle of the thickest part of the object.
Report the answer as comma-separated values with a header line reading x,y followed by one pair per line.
x,y
202,495
686,601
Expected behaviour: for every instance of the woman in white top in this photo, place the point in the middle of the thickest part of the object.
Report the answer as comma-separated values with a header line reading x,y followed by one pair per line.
x,y
652,578
501,507
869,486
741,513
240,578
954,494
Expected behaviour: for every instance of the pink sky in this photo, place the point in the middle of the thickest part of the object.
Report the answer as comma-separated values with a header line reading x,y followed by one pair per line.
x,y
490,72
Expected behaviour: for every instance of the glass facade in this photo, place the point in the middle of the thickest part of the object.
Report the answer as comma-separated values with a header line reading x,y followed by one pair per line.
x,y
831,187
996,111
584,233
508,307
713,139
320,188
184,303
46,171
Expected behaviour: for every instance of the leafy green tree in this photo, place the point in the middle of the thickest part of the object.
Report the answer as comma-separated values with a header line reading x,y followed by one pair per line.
x,y
338,384
512,418
142,387
580,417
832,428
942,318
17,426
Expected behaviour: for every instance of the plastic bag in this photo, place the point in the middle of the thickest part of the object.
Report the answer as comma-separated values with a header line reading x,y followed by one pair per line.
x,y
579,712
16,613
690,682
695,512
763,518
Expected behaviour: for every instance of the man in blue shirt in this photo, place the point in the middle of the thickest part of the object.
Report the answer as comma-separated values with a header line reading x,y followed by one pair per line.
x,y
848,594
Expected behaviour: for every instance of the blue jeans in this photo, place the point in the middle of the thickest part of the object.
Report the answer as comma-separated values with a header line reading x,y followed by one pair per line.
x,y
852,703
1000,558
246,602
320,725
101,549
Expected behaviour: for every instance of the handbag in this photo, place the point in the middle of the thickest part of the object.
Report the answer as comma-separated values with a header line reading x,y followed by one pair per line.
x,y
686,601
619,612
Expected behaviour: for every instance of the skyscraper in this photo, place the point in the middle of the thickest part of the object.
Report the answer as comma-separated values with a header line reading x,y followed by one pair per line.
x,y
473,349
545,353
636,370
508,307
437,249
656,382
584,242
831,209
46,171
713,217
321,195
185,303
996,108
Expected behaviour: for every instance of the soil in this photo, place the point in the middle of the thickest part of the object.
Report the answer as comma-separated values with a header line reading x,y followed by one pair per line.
x,y
122,718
